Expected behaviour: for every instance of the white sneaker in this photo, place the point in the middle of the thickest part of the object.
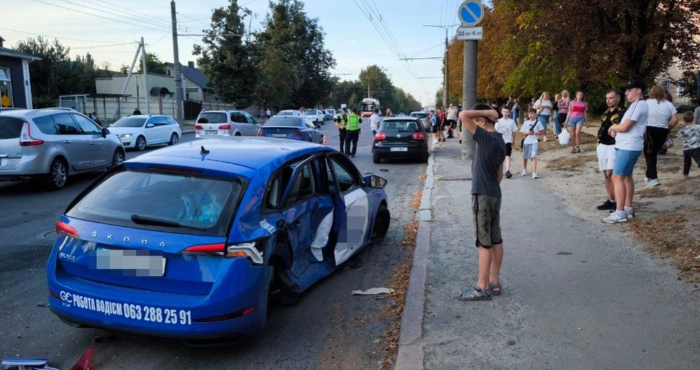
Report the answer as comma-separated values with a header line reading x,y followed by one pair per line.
x,y
653,182
524,172
614,218
534,175
646,180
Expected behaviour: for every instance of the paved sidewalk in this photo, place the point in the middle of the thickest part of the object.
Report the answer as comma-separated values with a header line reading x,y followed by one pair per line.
x,y
578,294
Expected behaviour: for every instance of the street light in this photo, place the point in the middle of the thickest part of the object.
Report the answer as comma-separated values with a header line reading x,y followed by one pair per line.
x,y
446,89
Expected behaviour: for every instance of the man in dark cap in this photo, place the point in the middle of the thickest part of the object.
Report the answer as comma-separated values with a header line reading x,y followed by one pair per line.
x,y
629,143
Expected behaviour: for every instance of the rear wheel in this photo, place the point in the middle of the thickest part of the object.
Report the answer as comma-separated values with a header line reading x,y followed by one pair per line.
x,y
376,158
140,143
173,139
58,175
381,224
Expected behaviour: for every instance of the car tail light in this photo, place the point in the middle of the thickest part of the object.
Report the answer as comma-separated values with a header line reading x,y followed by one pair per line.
x,y
251,250
25,137
198,127
261,133
419,136
380,136
298,134
63,229
225,127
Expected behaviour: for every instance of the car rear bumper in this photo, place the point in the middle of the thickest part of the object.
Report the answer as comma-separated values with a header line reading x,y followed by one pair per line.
x,y
411,152
218,314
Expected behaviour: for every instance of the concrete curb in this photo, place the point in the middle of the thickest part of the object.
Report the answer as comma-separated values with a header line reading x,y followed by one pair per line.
x,y
410,356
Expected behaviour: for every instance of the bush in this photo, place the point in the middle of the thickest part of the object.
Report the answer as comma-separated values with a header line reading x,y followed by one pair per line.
x,y
685,108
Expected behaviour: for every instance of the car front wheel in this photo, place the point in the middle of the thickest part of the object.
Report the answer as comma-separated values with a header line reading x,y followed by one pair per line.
x,y
58,175
140,143
118,157
173,139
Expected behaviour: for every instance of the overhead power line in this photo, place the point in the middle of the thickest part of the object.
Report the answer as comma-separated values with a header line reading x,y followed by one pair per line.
x,y
148,21
101,16
104,46
142,17
55,37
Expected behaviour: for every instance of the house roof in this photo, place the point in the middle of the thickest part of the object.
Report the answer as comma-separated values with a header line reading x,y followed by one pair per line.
x,y
16,54
193,74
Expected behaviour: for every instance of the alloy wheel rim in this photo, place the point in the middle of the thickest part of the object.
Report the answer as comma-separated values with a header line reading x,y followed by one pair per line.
x,y
59,174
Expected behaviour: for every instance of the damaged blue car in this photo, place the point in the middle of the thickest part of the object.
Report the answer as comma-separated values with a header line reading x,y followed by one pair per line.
x,y
191,241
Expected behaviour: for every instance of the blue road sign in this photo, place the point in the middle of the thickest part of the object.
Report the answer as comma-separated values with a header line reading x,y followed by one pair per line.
x,y
471,12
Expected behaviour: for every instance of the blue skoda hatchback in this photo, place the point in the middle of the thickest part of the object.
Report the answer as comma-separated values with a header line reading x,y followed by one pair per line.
x,y
191,241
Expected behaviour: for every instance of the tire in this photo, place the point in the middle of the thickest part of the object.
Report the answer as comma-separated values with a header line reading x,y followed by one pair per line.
x,y
118,157
381,224
174,139
376,158
237,134
140,143
424,158
58,175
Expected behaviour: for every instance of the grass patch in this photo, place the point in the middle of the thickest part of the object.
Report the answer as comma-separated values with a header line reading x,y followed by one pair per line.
x,y
653,192
683,187
669,169
673,235
570,162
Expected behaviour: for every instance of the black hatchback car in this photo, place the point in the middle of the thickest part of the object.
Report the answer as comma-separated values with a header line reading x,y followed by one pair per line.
x,y
401,137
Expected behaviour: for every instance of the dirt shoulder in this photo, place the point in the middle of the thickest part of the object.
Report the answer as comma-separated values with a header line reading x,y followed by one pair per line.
x,y
667,221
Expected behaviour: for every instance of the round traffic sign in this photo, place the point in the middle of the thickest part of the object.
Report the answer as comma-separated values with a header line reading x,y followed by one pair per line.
x,y
471,12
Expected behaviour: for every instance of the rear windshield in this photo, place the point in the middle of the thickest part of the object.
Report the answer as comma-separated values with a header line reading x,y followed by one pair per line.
x,y
310,112
178,203
287,113
283,122
212,117
419,115
401,126
10,127
130,122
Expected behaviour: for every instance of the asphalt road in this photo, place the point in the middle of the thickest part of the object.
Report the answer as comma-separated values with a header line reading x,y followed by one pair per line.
x,y
328,329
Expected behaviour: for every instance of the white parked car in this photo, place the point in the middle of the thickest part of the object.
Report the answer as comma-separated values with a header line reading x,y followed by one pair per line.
x,y
217,123
141,131
317,116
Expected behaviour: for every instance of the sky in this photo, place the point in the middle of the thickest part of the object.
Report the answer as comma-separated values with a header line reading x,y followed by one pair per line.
x,y
110,30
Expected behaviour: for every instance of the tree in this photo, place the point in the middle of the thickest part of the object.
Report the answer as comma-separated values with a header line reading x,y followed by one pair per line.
x,y
153,65
225,59
380,86
41,70
295,42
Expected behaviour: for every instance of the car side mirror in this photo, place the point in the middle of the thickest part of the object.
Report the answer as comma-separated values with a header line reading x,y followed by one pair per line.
x,y
150,125
105,132
375,181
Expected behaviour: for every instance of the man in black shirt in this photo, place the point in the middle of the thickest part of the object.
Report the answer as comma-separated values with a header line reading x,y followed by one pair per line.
x,y
606,145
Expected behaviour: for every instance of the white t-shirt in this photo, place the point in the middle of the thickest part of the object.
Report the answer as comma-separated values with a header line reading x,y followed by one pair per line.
x,y
374,121
546,107
633,139
660,113
506,127
528,126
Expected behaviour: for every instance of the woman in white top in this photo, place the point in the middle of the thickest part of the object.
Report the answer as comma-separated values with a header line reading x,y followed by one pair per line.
x,y
544,111
662,118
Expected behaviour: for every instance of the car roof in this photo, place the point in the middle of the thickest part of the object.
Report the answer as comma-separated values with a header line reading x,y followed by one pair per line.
x,y
35,112
401,118
224,111
244,156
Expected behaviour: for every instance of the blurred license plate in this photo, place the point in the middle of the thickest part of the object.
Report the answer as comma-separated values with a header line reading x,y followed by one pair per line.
x,y
279,135
132,262
399,149
211,132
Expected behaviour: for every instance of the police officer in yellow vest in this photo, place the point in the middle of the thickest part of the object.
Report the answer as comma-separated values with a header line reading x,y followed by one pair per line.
x,y
341,122
353,134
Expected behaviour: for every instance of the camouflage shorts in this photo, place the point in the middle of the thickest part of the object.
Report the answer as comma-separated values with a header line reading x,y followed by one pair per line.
x,y
486,219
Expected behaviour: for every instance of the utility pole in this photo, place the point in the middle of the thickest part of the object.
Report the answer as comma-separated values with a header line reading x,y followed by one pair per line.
x,y
176,61
146,93
446,89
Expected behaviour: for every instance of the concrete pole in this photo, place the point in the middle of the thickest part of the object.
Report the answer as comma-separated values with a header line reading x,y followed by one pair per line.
x,y
176,61
146,92
469,94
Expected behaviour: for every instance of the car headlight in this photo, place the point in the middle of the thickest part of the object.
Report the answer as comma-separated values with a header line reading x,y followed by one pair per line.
x,y
125,136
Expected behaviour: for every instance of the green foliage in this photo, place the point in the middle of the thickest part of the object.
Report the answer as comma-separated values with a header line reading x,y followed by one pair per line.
x,y
153,65
225,59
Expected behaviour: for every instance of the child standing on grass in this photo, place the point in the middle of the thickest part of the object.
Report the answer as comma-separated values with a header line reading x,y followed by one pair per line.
x,y
506,126
532,129
691,145
487,173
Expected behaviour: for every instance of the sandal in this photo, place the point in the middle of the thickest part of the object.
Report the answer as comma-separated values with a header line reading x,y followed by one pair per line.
x,y
578,149
474,294
495,286
573,150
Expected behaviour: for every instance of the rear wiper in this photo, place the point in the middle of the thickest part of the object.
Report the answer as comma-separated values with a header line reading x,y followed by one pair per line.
x,y
142,220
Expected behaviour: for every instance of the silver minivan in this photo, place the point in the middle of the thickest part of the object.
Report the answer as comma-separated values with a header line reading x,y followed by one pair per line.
x,y
214,123
51,144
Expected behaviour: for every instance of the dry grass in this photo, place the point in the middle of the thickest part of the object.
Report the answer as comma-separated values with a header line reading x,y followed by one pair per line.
x,y
552,143
655,192
673,235
570,162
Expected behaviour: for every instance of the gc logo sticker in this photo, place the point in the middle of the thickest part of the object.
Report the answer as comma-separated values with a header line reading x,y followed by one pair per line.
x,y
66,298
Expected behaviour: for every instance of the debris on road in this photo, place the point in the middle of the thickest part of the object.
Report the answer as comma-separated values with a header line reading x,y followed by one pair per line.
x,y
373,291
